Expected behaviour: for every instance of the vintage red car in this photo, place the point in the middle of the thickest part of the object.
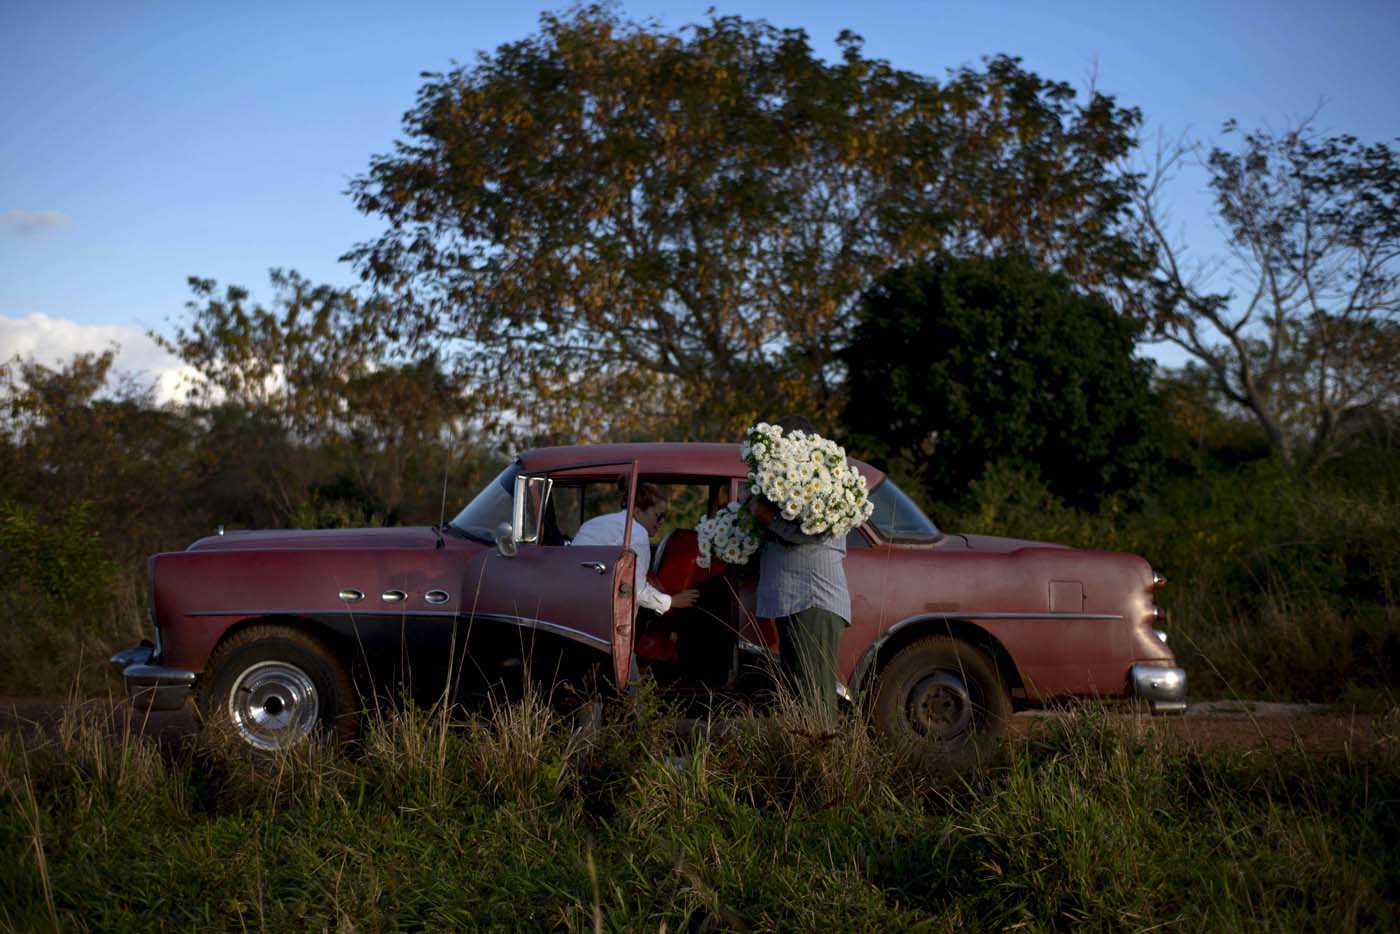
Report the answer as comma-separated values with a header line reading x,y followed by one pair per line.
x,y
286,633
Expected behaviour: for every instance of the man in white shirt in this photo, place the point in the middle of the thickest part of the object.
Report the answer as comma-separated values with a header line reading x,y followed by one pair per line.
x,y
609,529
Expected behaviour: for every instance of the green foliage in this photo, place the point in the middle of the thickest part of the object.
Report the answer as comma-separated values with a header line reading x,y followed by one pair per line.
x,y
603,212
63,601
291,362
515,821
316,513
64,566
296,387
960,363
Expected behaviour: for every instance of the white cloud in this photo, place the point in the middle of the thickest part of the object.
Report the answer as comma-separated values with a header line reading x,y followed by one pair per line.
x,y
54,341
34,223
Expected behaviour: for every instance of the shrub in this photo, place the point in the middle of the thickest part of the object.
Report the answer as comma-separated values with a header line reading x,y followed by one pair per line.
x,y
63,600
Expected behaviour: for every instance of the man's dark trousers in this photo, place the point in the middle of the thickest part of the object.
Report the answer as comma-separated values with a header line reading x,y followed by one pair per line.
x,y
808,642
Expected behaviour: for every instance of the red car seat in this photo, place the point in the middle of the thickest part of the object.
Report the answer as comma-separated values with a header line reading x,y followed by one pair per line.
x,y
675,569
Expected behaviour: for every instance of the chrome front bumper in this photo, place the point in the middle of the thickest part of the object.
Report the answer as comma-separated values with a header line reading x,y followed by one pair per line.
x,y
1163,688
151,687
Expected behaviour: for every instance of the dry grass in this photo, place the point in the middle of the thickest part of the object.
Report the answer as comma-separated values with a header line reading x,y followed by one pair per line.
x,y
528,817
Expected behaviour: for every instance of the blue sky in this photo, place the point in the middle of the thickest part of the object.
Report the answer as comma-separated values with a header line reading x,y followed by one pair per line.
x,y
144,142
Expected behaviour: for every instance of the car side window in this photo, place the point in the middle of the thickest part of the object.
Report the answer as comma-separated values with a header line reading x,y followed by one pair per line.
x,y
686,505
568,510
572,503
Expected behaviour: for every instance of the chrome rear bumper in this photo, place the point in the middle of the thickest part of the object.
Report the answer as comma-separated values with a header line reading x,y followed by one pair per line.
x,y
1163,688
152,687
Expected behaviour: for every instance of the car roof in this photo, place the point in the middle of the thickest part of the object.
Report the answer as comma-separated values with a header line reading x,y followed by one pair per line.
x,y
671,458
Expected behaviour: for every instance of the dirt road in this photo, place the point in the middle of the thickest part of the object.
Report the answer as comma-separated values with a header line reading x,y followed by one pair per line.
x,y
1241,725
36,716
1248,725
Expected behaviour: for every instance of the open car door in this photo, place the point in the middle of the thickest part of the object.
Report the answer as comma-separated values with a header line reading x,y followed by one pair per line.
x,y
624,604
537,581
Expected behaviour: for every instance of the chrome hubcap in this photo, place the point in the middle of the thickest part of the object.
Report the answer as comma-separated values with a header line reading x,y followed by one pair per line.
x,y
273,704
939,706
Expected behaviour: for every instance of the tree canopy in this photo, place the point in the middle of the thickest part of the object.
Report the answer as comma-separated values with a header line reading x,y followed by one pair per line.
x,y
960,363
623,230
1300,324
309,371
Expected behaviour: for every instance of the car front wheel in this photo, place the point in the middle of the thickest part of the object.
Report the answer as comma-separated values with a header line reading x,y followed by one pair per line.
x,y
943,690
275,686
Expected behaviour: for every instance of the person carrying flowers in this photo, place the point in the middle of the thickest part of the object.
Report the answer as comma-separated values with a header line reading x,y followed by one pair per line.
x,y
802,577
803,497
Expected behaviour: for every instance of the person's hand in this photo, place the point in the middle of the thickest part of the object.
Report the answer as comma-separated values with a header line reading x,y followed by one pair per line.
x,y
684,599
762,510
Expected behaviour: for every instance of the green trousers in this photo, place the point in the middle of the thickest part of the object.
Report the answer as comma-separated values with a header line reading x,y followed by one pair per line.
x,y
808,642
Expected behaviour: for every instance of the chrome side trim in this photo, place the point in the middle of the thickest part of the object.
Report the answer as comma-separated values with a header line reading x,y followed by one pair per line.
x,y
436,597
393,596
324,611
954,614
350,595
587,638
1163,688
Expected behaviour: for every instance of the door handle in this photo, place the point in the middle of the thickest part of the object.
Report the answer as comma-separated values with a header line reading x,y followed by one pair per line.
x,y
597,567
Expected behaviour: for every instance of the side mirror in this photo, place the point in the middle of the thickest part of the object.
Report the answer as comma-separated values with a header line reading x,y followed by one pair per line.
x,y
505,540
531,497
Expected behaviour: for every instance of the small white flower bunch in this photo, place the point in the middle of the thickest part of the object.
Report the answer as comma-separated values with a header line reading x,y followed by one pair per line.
x,y
807,479
729,535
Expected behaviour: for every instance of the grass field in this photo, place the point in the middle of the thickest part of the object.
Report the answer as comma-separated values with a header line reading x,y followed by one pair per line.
x,y
515,820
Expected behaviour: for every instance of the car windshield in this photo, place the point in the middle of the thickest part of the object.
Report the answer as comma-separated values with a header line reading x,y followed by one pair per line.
x,y
898,518
492,506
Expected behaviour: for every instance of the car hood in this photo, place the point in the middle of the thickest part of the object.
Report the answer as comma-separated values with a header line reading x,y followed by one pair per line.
x,y
995,544
321,539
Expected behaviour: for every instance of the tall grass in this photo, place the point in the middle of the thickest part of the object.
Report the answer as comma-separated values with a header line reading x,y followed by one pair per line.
x,y
518,819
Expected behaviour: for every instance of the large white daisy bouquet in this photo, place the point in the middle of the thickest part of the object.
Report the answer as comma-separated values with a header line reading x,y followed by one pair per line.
x,y
804,476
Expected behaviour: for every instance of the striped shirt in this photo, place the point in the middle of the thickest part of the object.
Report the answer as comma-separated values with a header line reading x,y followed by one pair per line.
x,y
797,571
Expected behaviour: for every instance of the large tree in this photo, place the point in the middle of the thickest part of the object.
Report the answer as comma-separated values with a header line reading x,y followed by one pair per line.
x,y
623,230
291,361
305,377
957,364
1300,324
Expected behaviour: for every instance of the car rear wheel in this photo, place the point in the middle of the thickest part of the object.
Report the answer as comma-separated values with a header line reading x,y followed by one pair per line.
x,y
942,690
275,686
